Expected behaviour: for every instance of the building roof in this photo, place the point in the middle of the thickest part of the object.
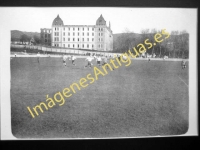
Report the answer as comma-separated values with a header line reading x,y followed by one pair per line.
x,y
57,21
101,21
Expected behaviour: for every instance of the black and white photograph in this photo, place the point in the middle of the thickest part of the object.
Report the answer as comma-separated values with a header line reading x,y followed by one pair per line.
x,y
99,72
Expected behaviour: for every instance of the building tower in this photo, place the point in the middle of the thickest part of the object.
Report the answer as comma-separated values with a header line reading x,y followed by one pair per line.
x,y
104,37
57,27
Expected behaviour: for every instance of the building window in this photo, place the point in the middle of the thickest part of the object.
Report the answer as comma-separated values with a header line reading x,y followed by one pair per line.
x,y
88,29
45,40
92,34
83,34
73,29
63,39
87,39
92,39
57,39
73,39
64,29
73,45
68,39
64,33
99,46
68,34
73,34
99,29
63,45
92,29
92,46
78,33
45,35
78,29
99,40
68,45
78,45
54,39
102,39
55,33
78,39
69,29
83,29
83,46
83,39
101,34
87,45
55,45
55,29
88,34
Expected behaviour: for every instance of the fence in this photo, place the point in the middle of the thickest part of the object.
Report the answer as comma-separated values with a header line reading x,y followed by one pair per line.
x,y
61,50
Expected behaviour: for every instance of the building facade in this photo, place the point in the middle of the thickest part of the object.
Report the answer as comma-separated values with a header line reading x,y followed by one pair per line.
x,y
45,36
93,37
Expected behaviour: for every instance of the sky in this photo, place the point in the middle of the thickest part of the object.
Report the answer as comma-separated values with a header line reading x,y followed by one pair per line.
x,y
32,19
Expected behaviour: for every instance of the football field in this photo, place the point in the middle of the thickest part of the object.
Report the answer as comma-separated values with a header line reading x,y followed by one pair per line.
x,y
143,99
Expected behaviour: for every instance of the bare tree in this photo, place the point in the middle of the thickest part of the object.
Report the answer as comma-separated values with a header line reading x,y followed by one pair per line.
x,y
184,43
174,41
145,34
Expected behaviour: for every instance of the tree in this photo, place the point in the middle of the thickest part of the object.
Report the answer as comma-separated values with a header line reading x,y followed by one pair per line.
x,y
174,41
124,41
144,35
184,44
24,38
37,39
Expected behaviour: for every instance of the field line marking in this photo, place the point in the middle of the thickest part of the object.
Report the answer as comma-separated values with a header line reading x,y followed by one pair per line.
x,y
182,80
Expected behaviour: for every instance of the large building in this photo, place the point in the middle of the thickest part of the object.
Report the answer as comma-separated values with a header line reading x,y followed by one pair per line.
x,y
45,36
93,37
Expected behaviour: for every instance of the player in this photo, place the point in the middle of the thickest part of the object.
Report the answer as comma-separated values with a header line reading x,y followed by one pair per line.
x,y
95,57
64,59
124,57
149,58
38,57
105,62
183,64
99,60
89,59
73,60
118,56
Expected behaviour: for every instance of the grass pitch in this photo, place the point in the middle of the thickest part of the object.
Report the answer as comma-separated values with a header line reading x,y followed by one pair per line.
x,y
143,99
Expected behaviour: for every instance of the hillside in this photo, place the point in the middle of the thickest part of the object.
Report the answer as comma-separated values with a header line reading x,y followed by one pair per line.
x,y
16,34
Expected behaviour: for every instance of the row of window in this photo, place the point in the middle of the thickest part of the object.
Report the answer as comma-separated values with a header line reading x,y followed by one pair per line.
x,y
100,29
78,39
57,34
47,35
80,46
75,28
47,31
56,39
47,41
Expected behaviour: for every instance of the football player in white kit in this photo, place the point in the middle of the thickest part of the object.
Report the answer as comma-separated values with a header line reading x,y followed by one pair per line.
x,y
89,59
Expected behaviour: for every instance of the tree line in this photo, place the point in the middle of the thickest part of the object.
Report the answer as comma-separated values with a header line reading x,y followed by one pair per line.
x,y
26,38
176,46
